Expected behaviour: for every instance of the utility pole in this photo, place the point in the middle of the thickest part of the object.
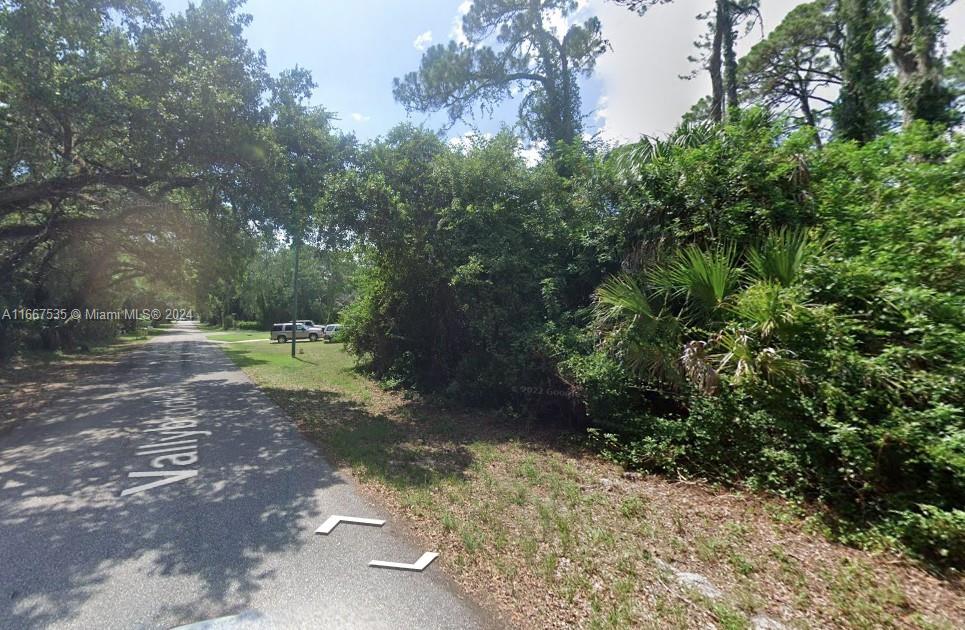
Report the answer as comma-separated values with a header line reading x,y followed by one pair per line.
x,y
295,297
296,241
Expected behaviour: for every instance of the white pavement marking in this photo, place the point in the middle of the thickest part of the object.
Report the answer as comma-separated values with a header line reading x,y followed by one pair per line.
x,y
335,519
231,621
174,442
418,565
170,476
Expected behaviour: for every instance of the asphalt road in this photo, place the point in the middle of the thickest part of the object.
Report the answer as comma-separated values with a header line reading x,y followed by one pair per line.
x,y
235,540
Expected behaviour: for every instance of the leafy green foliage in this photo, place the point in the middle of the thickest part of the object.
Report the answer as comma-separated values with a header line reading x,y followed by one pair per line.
x,y
918,26
466,255
645,340
703,279
122,133
831,368
857,113
702,184
781,257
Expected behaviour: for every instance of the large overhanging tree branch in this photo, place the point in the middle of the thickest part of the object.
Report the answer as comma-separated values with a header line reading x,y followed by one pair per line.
x,y
28,194
105,98
510,49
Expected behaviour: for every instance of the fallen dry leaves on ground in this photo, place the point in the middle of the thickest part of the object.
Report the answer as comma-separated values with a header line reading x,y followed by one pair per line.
x,y
552,536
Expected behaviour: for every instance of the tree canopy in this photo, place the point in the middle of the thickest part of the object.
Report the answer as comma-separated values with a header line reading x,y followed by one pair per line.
x,y
512,48
109,103
796,67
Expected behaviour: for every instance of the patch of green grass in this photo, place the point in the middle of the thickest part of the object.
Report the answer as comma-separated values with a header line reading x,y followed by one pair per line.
x,y
527,470
449,522
529,546
728,617
741,564
318,367
862,599
548,564
669,613
618,614
603,538
241,335
633,507
472,539
709,548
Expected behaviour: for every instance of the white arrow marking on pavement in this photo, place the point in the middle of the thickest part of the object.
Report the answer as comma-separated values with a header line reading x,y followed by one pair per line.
x,y
169,477
419,564
335,519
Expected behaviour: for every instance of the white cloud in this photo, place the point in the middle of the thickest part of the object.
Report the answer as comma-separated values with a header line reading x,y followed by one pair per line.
x,y
560,24
357,117
642,89
422,41
467,140
457,33
533,154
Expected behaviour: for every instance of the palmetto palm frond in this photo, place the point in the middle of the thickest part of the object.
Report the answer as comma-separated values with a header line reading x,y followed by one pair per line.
x,y
621,296
628,161
697,366
704,278
768,307
742,358
781,256
642,337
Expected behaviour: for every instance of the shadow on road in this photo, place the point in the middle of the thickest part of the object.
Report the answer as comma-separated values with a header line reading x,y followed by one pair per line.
x,y
66,532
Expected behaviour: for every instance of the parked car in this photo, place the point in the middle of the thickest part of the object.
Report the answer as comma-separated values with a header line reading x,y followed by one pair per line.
x,y
331,332
283,332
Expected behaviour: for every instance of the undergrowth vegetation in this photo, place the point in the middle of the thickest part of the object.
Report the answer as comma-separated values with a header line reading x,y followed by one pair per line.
x,y
731,303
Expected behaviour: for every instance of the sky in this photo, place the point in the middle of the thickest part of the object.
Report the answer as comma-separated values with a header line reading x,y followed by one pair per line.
x,y
355,48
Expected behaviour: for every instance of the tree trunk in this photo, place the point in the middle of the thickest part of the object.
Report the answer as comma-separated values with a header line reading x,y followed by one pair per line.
x,y
808,113
902,54
920,91
857,112
714,65
730,60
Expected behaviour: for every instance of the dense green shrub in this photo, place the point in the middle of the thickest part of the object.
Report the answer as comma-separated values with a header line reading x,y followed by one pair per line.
x,y
730,303
466,258
708,184
843,381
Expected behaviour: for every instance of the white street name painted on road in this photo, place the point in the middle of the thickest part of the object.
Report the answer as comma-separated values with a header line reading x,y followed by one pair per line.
x,y
172,441
164,479
418,565
335,519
